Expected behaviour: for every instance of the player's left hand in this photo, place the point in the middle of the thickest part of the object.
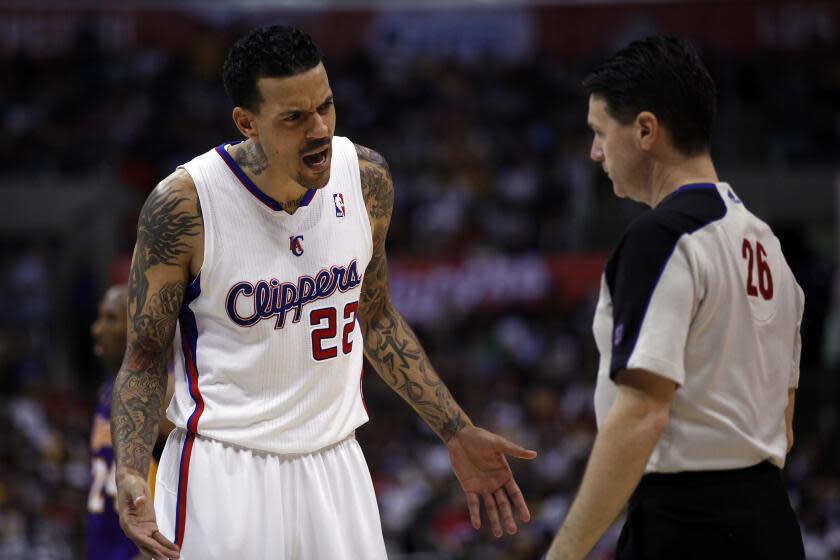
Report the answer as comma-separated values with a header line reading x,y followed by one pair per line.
x,y
478,459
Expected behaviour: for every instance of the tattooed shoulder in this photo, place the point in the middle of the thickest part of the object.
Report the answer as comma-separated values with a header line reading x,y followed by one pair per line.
x,y
169,225
377,184
371,156
169,218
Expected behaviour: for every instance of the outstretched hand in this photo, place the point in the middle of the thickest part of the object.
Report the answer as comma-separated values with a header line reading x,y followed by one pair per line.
x,y
137,518
478,459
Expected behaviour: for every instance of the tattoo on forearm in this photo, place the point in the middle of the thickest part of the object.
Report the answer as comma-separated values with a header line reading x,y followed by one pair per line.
x,y
135,414
251,157
163,238
390,344
141,383
393,349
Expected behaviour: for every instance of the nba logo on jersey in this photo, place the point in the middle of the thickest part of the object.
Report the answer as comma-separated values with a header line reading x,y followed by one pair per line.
x,y
295,245
338,199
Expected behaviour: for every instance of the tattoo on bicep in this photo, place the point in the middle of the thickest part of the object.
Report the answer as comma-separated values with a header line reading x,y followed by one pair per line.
x,y
162,234
155,326
374,286
377,184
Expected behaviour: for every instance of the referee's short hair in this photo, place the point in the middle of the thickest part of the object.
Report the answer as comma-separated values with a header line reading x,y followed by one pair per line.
x,y
665,76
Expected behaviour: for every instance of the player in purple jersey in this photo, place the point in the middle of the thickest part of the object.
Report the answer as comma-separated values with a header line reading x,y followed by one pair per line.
x,y
105,538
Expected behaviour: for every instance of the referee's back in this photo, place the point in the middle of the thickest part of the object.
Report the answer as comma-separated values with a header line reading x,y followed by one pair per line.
x,y
698,291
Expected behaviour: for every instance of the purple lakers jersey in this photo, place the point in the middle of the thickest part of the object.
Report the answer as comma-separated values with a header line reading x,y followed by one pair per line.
x,y
105,538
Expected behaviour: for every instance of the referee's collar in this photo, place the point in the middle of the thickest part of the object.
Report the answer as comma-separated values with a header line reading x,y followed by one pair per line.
x,y
687,187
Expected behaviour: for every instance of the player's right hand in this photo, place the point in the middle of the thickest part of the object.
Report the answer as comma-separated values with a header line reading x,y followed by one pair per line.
x,y
137,518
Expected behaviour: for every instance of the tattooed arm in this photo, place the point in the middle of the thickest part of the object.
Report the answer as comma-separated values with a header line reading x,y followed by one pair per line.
x,y
167,254
392,348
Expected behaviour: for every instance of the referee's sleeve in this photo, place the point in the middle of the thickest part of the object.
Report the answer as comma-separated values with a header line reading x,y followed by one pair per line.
x,y
653,293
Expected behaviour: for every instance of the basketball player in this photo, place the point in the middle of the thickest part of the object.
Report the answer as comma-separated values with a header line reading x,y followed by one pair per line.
x,y
265,260
698,330
105,539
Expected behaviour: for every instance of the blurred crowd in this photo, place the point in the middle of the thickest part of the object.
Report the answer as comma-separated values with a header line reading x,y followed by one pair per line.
x,y
489,157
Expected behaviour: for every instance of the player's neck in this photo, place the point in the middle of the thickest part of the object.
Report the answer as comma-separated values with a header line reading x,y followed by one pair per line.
x,y
253,161
671,175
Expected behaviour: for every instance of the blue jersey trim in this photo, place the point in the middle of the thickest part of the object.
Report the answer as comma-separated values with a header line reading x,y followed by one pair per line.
x,y
189,332
692,186
251,186
688,187
189,336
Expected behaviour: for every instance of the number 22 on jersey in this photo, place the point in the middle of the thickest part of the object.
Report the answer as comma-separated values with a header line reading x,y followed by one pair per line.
x,y
323,332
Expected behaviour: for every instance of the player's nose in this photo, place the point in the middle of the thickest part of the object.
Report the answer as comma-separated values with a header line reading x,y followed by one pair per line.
x,y
319,127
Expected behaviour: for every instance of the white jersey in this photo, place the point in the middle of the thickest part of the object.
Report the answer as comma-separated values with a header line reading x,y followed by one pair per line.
x,y
268,350
698,291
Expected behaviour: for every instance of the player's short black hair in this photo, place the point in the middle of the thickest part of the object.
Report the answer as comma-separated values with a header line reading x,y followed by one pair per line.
x,y
665,76
273,51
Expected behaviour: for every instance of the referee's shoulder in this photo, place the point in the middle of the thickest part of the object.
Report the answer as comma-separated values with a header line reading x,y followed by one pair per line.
x,y
657,225
683,214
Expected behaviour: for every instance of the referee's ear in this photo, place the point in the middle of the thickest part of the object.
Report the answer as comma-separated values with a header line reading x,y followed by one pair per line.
x,y
648,130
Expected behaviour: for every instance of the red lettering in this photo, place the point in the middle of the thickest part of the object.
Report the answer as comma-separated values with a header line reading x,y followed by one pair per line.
x,y
765,276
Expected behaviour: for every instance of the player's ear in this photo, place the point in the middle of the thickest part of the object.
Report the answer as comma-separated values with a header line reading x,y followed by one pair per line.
x,y
647,130
244,121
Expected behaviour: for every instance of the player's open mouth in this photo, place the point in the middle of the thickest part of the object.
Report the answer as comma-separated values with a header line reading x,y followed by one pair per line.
x,y
317,161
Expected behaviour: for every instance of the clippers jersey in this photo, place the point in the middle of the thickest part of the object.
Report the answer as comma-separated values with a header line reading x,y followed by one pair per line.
x,y
698,291
268,350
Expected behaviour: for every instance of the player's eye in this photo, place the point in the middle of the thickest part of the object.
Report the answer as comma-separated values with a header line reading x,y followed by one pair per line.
x,y
325,107
291,117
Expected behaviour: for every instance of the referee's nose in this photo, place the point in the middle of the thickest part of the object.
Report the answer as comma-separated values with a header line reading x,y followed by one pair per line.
x,y
596,152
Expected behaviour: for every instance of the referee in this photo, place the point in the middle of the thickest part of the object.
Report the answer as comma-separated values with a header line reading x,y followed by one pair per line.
x,y
698,330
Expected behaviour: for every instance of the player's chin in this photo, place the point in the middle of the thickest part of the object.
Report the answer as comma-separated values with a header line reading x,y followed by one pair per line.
x,y
314,182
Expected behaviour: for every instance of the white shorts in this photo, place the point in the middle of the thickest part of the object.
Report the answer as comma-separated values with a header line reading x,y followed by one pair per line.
x,y
217,500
